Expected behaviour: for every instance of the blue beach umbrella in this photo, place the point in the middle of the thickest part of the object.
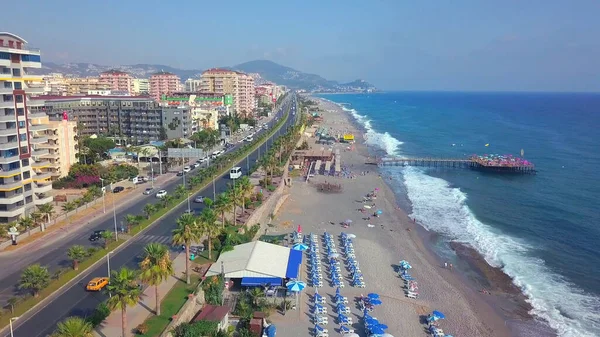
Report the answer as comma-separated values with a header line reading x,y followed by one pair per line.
x,y
438,314
300,247
337,291
371,322
382,326
375,302
295,286
319,328
379,211
377,330
344,328
373,296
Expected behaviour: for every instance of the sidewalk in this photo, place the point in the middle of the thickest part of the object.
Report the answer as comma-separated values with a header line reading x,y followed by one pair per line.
x,y
140,312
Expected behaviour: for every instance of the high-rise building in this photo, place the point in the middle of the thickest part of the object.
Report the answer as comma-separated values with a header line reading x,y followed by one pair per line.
x,y
55,84
226,82
192,85
141,86
82,86
163,83
117,80
23,183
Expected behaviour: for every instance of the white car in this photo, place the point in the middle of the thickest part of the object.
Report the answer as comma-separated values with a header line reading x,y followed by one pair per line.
x,y
187,169
161,194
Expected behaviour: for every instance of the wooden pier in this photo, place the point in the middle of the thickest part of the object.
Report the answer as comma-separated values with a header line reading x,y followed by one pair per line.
x,y
470,163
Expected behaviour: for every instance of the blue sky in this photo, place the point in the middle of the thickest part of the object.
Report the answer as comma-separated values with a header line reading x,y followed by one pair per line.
x,y
397,45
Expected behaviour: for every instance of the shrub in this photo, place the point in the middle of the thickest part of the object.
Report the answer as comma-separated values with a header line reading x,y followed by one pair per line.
x,y
141,329
99,315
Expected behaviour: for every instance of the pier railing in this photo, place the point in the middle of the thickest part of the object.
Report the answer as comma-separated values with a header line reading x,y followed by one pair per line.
x,y
471,163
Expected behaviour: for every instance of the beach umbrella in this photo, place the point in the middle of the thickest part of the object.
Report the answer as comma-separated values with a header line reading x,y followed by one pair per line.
x,y
367,206
319,328
352,335
373,296
438,314
344,328
375,302
388,335
376,330
383,326
371,322
337,291
379,211
295,286
300,247
351,236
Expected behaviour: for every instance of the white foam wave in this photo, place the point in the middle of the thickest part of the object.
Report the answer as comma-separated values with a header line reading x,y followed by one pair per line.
x,y
442,208
385,141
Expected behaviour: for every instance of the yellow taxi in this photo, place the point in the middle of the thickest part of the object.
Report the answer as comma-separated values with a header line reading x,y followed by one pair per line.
x,y
97,283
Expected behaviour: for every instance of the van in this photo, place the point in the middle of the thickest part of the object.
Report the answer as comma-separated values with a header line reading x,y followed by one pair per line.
x,y
235,172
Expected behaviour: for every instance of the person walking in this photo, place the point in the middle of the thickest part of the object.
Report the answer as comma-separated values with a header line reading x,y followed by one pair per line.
x,y
446,265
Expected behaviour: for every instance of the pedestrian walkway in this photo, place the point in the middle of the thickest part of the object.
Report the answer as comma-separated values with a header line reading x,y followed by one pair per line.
x,y
137,314
164,239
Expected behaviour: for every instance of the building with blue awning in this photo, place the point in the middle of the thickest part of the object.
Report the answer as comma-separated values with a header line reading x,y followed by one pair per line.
x,y
258,263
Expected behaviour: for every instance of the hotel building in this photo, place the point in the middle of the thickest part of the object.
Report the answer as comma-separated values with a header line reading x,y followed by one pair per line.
x,y
24,183
141,86
82,86
226,82
117,80
192,85
163,83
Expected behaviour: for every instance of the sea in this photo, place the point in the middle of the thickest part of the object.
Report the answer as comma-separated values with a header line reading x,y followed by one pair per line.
x,y
542,230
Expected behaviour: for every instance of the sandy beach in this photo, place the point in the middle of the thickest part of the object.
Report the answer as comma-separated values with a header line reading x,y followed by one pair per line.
x,y
391,238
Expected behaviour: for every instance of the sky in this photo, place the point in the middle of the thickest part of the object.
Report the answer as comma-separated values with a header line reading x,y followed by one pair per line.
x,y
465,45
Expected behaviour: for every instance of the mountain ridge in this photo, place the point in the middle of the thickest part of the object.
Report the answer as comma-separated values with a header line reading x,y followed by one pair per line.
x,y
267,70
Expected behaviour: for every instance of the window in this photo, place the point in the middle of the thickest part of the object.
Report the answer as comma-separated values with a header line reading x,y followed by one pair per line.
x,y
24,149
20,111
23,137
18,85
16,72
31,58
6,71
21,124
4,56
8,85
26,174
7,98
19,98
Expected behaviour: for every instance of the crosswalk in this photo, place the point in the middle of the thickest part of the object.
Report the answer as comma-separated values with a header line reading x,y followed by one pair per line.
x,y
164,239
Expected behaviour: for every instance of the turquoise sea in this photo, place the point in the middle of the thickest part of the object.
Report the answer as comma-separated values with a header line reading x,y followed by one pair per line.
x,y
543,230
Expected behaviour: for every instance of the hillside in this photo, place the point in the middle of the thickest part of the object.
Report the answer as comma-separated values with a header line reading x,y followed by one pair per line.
x,y
268,70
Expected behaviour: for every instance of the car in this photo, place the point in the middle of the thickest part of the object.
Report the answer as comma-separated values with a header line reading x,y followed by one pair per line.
x,y
96,235
249,139
161,194
199,199
193,166
148,191
97,283
187,169
118,189
180,173
188,211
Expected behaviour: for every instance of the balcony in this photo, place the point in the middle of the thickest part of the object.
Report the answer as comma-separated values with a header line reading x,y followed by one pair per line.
x,y
42,176
9,145
20,210
38,127
13,185
10,173
9,160
40,164
34,89
39,152
52,155
42,199
36,140
46,145
37,114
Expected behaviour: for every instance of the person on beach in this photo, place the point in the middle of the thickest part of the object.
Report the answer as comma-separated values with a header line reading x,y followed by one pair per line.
x,y
450,266
446,265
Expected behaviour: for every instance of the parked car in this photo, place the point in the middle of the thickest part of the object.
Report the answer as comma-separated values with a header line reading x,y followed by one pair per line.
x,y
161,194
96,235
97,283
193,166
199,199
180,173
187,169
148,191
118,189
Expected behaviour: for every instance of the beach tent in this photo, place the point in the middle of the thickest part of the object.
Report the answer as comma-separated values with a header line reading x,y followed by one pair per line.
x,y
348,137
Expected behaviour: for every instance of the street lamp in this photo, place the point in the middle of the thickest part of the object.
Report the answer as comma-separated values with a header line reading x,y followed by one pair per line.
x,y
103,193
10,323
115,217
108,267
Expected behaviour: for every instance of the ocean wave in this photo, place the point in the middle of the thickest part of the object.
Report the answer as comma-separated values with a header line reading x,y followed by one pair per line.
x,y
442,208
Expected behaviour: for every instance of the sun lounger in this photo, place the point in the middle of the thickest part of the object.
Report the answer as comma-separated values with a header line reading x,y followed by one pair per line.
x,y
347,332
346,322
321,320
411,294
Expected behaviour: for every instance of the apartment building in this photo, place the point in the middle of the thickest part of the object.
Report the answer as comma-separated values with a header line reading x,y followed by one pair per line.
x,y
163,83
141,86
226,82
204,107
81,86
177,121
23,185
55,84
117,80
192,85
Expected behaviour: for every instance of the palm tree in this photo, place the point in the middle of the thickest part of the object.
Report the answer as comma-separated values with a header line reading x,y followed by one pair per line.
x,y
186,233
167,200
155,268
124,292
107,236
73,327
131,220
68,207
208,228
37,217
136,150
26,222
222,205
34,278
47,210
149,209
76,253
245,188
256,293
12,302
180,191
232,195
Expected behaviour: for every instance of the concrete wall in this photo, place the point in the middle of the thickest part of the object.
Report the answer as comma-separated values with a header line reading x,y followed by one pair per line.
x,y
187,312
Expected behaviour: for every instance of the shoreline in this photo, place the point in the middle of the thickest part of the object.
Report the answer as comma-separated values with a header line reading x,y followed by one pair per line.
x,y
505,306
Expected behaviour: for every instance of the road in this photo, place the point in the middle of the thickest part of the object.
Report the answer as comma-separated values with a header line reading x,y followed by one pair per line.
x,y
74,300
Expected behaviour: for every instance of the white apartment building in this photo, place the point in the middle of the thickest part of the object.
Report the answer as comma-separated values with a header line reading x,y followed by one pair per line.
x,y
193,85
23,134
141,86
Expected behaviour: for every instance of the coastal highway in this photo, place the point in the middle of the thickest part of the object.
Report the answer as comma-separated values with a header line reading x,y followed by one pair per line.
x,y
74,300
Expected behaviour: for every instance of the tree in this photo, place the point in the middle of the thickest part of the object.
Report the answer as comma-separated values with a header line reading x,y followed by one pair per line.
x,y
149,209
98,147
25,222
208,227
132,220
180,191
68,207
222,205
107,236
11,303
73,327
167,200
206,139
76,253
245,188
124,292
47,210
37,219
155,268
136,150
186,233
256,294
34,278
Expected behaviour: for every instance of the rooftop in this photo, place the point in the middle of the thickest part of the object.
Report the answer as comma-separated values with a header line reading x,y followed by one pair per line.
x,y
97,97
115,72
211,313
162,72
